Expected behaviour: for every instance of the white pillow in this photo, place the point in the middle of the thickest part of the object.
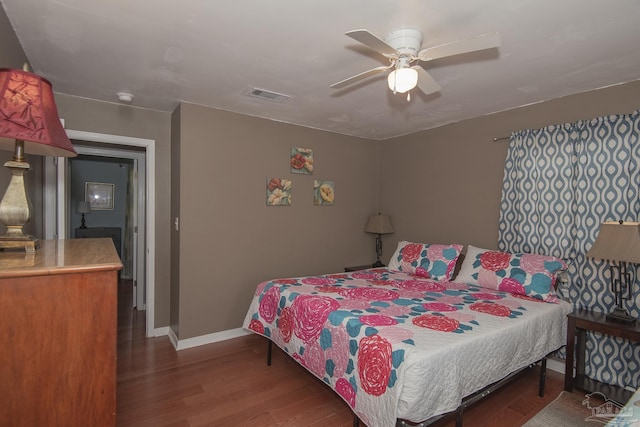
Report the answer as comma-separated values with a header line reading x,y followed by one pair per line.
x,y
531,275
427,260
467,269
394,264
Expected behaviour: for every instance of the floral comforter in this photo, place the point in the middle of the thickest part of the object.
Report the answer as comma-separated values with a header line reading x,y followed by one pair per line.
x,y
394,345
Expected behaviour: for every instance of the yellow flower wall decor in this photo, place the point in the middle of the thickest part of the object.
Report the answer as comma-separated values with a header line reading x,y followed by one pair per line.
x,y
323,192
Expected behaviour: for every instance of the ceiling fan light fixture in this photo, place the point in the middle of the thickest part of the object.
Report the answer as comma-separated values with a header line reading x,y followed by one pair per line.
x,y
402,80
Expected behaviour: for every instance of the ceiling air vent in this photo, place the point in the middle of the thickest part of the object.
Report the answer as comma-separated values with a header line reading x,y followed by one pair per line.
x,y
267,95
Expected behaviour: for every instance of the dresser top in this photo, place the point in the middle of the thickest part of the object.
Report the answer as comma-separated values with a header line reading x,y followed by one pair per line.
x,y
61,257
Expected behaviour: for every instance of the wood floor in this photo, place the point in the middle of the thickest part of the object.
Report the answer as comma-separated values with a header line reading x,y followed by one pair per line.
x,y
229,384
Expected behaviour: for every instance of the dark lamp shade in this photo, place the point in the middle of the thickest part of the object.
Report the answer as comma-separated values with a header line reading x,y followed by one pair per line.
x,y
83,207
379,224
28,113
617,242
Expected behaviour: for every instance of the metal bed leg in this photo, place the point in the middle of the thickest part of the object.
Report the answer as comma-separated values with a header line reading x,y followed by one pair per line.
x,y
459,416
269,348
543,376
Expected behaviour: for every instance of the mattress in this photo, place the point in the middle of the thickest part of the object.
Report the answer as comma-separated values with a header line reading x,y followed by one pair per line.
x,y
395,346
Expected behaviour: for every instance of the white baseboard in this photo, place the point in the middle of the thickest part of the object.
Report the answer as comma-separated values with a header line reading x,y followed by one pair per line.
x,y
205,339
160,332
173,338
556,365
559,366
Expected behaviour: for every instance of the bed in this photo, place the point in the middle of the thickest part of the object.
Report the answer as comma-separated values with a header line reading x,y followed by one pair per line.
x,y
404,343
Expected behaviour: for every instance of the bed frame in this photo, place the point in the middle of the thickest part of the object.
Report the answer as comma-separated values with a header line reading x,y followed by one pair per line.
x,y
466,402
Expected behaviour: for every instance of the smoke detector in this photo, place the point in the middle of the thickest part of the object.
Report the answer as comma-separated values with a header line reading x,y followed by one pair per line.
x,y
125,97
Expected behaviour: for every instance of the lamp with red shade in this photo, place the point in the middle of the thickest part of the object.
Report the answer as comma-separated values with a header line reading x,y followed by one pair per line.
x,y
29,124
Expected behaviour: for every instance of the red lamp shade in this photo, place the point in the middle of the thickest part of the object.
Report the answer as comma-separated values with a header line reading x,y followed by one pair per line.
x,y
29,124
28,113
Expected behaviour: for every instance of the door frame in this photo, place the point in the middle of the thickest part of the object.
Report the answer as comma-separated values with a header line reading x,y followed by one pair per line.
x,y
139,222
150,216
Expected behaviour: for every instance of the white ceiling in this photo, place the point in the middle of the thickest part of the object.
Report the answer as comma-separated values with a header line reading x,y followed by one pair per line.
x,y
211,53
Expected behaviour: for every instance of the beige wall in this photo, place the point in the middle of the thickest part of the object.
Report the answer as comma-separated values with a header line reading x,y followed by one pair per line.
x,y
11,53
444,185
230,240
109,118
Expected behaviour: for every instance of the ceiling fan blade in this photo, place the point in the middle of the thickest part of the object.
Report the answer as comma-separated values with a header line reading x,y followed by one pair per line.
x,y
372,41
481,42
358,77
426,83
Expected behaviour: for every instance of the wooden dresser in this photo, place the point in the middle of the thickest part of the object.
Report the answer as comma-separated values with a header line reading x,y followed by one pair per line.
x,y
58,334
115,233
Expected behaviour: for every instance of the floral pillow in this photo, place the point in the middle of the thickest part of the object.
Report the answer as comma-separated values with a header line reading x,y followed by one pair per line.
x,y
430,261
520,273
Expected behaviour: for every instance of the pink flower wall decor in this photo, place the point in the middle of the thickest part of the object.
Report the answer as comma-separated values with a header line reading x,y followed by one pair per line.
x,y
301,160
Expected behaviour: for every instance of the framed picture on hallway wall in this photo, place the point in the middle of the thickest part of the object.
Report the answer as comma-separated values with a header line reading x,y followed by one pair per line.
x,y
99,195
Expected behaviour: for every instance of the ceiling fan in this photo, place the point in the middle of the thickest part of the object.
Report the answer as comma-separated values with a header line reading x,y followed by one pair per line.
x,y
402,49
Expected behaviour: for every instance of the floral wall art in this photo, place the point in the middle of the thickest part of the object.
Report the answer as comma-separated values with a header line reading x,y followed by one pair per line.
x,y
278,192
301,160
323,192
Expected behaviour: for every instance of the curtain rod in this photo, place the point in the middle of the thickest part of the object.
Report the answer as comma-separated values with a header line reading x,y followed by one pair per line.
x,y
500,138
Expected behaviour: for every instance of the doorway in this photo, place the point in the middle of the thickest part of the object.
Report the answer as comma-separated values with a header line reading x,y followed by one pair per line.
x,y
113,146
121,172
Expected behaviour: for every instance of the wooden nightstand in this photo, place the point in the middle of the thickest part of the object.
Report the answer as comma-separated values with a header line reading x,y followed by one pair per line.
x,y
578,323
358,267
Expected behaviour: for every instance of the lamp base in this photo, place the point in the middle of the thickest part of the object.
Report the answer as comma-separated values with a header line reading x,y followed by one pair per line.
x,y
378,263
620,315
14,206
28,243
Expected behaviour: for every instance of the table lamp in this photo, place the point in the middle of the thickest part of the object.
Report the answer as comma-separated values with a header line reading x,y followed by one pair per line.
x,y
83,208
619,243
29,124
378,224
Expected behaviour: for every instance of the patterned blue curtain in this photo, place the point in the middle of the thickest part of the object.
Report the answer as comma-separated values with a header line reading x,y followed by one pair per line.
x,y
560,183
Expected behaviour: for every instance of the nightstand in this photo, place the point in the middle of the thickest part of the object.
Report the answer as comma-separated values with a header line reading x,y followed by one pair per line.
x,y
578,323
358,267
